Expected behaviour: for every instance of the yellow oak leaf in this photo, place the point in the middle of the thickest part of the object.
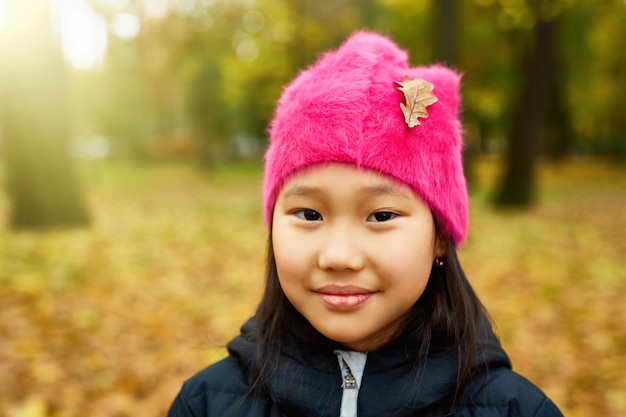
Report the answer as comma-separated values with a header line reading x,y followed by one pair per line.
x,y
418,96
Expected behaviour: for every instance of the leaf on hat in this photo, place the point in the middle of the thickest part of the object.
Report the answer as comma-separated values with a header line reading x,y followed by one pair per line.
x,y
418,96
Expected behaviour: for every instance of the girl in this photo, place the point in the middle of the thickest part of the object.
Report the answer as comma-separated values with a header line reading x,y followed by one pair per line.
x,y
366,309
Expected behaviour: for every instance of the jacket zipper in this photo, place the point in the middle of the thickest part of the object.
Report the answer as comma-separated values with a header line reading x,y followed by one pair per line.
x,y
352,366
349,397
349,381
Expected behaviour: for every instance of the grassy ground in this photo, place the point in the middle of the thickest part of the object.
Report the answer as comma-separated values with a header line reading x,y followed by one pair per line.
x,y
108,321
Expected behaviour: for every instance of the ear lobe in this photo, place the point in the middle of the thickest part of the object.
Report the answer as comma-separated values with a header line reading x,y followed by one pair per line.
x,y
441,244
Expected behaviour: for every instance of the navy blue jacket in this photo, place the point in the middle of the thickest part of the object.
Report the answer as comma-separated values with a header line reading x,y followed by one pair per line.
x,y
311,385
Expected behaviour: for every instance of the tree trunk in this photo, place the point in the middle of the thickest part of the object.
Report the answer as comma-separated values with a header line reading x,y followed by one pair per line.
x,y
446,53
446,26
559,133
35,122
518,185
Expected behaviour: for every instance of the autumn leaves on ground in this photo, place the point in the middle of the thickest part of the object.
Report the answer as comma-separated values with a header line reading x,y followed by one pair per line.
x,y
108,321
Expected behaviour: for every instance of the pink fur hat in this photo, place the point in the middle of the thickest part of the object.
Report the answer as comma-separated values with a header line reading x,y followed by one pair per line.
x,y
347,108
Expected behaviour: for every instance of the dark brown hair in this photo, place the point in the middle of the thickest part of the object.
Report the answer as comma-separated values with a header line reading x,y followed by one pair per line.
x,y
445,320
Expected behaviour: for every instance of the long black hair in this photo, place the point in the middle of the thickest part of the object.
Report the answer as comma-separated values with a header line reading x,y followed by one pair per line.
x,y
446,319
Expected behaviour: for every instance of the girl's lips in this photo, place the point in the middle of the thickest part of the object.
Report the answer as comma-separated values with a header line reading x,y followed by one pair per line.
x,y
344,297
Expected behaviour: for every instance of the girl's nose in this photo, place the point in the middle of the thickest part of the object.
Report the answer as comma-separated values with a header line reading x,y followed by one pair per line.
x,y
341,250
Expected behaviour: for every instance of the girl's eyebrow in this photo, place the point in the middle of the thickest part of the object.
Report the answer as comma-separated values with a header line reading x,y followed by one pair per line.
x,y
374,190
385,189
301,190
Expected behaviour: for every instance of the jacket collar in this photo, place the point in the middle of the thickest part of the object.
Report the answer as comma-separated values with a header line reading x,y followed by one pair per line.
x,y
310,383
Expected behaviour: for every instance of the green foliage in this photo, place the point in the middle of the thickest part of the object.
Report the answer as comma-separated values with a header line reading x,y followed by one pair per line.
x,y
601,112
207,72
210,71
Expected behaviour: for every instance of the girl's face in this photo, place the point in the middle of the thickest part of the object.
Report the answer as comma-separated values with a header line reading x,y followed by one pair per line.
x,y
354,250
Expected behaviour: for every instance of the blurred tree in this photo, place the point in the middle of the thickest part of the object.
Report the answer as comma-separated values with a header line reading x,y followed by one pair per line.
x,y
131,91
558,135
446,30
487,77
370,13
211,71
35,122
125,111
260,48
537,95
410,23
529,115
203,56
599,99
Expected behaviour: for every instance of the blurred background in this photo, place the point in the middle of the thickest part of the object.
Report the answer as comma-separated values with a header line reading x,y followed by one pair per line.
x,y
131,141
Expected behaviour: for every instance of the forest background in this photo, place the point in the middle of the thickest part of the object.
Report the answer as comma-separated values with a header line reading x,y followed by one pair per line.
x,y
131,139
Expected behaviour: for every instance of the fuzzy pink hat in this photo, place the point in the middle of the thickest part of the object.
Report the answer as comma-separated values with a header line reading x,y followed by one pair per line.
x,y
347,108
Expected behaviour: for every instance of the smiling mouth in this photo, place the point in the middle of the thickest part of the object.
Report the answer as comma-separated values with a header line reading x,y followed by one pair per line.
x,y
344,297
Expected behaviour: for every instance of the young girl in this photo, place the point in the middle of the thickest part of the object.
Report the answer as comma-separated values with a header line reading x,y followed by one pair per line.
x,y
366,309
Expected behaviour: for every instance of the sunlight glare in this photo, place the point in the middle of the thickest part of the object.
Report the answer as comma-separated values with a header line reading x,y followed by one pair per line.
x,y
83,34
126,26
3,13
114,4
186,6
156,8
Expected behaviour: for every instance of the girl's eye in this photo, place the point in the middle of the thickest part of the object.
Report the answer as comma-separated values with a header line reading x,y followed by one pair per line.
x,y
308,215
381,216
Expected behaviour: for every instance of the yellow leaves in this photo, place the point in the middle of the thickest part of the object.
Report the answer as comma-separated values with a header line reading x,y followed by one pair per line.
x,y
554,281
46,371
30,283
110,321
33,406
418,96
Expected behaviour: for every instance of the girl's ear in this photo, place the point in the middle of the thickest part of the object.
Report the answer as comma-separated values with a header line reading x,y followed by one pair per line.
x,y
441,244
